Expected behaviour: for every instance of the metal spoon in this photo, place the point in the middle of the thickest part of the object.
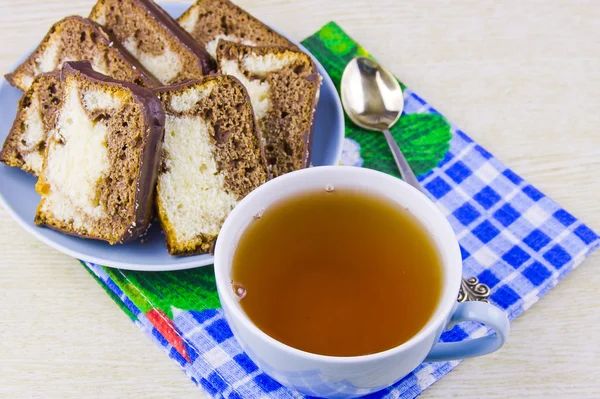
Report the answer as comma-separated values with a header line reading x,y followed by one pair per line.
x,y
372,98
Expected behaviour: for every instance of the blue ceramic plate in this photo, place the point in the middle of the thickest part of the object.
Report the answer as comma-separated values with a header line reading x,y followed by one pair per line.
x,y
18,196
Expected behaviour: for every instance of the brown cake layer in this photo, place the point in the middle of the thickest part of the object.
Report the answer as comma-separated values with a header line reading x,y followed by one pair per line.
x,y
212,158
77,38
154,38
25,144
102,159
209,20
283,85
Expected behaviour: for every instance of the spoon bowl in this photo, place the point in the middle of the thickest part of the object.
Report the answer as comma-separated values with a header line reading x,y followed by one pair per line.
x,y
371,95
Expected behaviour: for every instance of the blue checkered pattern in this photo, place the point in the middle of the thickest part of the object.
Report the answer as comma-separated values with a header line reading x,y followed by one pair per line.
x,y
512,237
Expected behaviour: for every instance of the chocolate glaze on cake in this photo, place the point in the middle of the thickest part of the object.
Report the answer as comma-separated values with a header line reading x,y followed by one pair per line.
x,y
134,120
152,143
154,38
162,17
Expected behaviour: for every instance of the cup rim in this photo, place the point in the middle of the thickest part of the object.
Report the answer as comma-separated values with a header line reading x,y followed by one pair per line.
x,y
441,312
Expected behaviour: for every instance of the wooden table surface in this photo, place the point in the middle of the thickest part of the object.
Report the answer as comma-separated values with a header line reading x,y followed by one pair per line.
x,y
523,78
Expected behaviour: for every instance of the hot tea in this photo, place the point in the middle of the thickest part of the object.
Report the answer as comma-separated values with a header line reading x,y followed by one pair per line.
x,y
338,273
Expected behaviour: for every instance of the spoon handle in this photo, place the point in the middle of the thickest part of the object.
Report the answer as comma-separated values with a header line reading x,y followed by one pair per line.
x,y
405,170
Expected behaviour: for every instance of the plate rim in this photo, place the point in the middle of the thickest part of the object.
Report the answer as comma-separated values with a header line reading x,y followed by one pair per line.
x,y
194,262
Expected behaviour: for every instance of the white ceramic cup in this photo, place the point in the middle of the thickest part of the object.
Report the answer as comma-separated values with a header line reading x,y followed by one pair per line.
x,y
347,377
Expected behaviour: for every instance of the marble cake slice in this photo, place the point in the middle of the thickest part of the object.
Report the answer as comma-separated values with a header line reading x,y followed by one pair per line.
x,y
154,38
283,85
102,158
75,38
212,158
25,144
210,20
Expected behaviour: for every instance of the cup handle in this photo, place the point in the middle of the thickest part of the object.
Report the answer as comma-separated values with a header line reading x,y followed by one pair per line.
x,y
483,313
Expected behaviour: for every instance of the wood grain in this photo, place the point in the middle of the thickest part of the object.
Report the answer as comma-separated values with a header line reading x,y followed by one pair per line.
x,y
521,77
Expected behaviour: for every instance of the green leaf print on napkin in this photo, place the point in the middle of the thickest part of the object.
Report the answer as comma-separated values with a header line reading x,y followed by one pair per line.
x,y
193,289
424,137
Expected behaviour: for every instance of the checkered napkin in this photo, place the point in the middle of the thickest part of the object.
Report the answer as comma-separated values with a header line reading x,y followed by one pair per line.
x,y
512,237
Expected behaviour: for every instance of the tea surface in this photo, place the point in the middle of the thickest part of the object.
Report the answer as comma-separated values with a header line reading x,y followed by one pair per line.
x,y
339,273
